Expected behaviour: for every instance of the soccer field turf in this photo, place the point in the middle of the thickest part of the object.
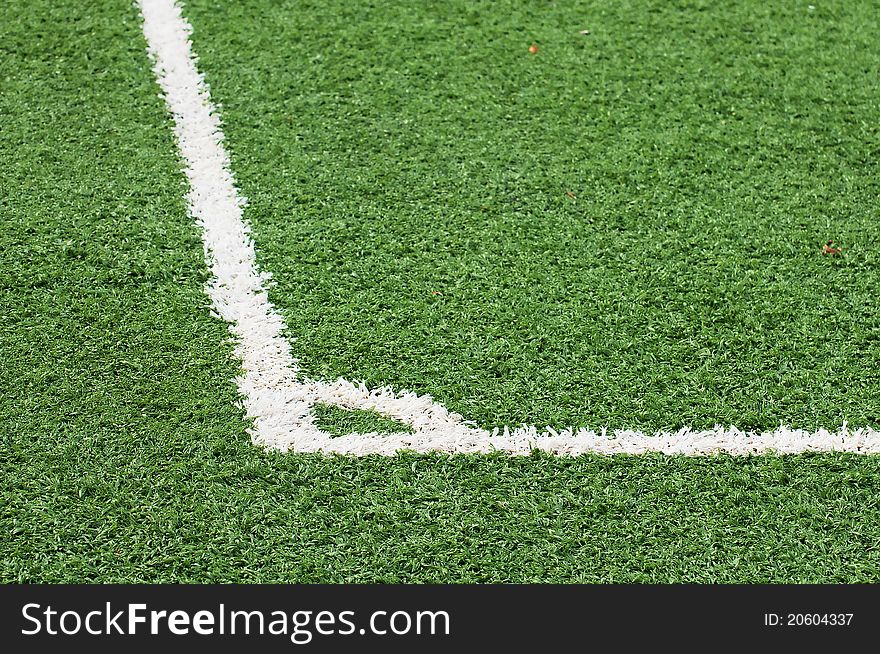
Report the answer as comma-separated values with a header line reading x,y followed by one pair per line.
x,y
397,150
622,229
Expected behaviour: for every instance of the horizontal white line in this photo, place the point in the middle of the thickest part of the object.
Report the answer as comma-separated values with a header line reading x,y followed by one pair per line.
x,y
525,440
280,401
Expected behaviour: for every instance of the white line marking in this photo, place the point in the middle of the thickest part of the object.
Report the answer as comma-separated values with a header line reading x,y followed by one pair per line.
x,y
276,397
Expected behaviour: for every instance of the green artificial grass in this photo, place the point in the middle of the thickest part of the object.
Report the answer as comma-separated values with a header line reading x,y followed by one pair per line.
x,y
124,456
623,230
338,421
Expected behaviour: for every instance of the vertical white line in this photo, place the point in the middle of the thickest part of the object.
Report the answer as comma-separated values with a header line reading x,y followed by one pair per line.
x,y
268,379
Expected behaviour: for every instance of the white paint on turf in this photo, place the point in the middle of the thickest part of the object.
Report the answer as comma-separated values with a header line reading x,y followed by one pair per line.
x,y
274,395
280,400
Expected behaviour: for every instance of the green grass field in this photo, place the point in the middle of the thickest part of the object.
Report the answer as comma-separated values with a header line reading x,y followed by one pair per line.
x,y
394,149
623,229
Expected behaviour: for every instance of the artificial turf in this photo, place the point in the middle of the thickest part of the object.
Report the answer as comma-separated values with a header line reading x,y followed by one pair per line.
x,y
623,229
338,421
125,457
